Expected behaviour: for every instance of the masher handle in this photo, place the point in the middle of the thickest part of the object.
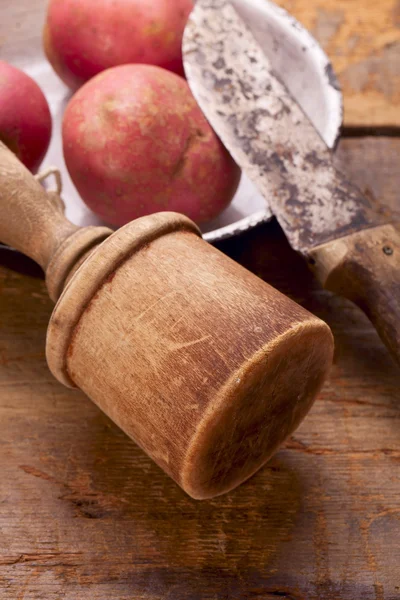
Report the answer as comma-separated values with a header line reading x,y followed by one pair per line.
x,y
33,222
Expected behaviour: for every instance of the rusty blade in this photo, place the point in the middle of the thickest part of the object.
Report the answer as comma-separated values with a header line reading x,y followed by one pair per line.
x,y
266,132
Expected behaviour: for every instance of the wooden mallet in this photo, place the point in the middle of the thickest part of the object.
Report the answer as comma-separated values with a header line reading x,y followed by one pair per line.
x,y
204,365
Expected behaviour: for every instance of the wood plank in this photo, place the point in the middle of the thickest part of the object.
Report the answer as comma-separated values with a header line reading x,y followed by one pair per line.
x,y
373,164
84,513
362,38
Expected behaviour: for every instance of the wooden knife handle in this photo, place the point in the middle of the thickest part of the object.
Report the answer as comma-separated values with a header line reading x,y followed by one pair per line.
x,y
33,221
365,268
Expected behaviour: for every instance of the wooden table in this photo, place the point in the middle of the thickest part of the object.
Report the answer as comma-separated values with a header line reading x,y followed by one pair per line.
x,y
85,514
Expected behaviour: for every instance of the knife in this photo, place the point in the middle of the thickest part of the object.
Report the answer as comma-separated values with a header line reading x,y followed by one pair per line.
x,y
352,247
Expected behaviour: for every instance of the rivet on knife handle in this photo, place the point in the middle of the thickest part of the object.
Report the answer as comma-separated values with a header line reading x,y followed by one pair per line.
x,y
365,268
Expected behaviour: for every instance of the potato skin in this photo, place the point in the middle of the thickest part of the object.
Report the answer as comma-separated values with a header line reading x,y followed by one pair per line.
x,y
25,120
84,37
135,142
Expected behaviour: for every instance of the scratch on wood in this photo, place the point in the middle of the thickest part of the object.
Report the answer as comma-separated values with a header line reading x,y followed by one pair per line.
x,y
321,536
177,322
371,561
61,557
28,582
156,303
88,504
365,527
38,473
176,346
354,484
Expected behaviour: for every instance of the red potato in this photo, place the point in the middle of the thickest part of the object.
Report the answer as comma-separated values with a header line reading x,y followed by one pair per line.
x,y
25,120
84,37
135,142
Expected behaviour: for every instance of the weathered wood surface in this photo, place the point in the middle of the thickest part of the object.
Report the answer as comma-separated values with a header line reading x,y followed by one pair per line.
x,y
373,163
85,514
362,37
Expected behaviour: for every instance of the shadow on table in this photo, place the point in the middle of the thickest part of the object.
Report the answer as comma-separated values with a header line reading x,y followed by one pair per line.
x,y
11,259
165,540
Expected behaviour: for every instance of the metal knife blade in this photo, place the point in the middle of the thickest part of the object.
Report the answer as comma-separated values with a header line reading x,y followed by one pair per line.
x,y
349,245
266,131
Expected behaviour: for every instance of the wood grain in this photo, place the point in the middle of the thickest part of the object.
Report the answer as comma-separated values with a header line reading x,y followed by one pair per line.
x,y
362,38
84,513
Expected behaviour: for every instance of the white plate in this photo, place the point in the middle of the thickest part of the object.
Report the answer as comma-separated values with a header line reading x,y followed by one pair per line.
x,y
297,58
